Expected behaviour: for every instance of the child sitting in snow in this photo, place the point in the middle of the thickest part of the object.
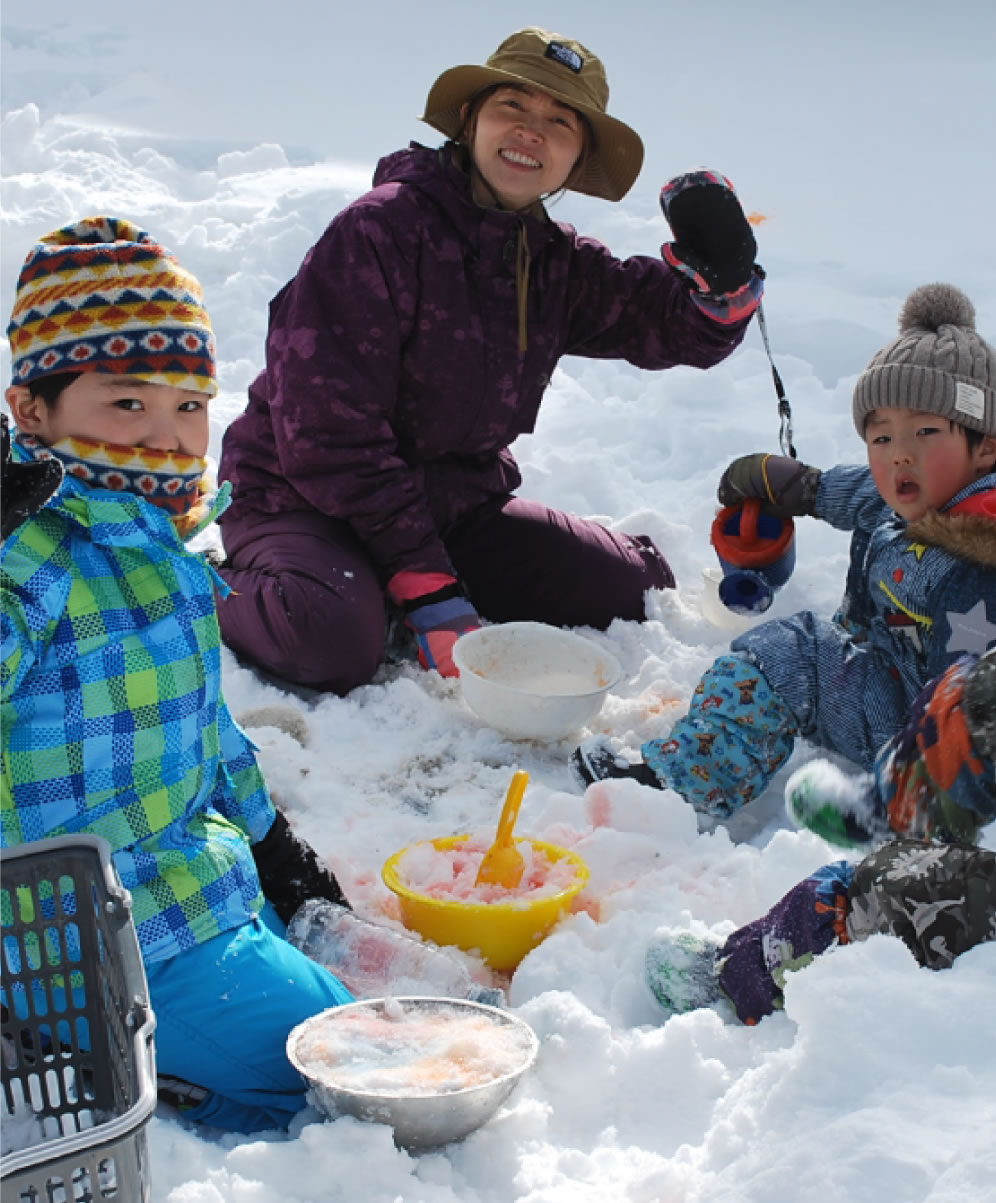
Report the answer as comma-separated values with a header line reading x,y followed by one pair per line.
x,y
937,776
114,721
920,588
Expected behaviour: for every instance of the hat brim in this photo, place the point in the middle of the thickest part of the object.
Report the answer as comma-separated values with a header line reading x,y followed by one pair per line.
x,y
615,160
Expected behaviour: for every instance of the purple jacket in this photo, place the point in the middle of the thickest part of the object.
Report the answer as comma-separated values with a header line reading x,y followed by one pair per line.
x,y
394,382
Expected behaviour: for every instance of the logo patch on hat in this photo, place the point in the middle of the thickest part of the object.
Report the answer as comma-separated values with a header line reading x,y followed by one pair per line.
x,y
970,400
565,56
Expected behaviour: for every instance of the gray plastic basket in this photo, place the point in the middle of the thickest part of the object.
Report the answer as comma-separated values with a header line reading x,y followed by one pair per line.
x,y
78,1052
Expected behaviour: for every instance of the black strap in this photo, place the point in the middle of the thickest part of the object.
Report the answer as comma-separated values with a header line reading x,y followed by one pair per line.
x,y
784,409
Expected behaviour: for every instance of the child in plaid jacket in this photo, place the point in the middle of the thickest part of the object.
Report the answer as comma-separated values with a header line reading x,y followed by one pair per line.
x,y
114,722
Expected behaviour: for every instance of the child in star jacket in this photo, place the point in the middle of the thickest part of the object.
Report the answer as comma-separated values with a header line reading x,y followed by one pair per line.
x,y
114,721
920,590
931,791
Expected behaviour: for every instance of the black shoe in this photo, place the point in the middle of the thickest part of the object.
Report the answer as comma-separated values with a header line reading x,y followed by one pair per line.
x,y
178,1093
595,761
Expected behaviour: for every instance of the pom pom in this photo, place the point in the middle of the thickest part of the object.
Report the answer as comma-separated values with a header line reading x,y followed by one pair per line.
x,y
934,305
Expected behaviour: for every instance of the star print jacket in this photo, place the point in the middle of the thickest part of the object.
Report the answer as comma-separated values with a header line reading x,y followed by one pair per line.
x,y
917,597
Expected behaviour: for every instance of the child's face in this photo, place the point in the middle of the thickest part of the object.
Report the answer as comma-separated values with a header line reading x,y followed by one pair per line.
x,y
919,461
117,409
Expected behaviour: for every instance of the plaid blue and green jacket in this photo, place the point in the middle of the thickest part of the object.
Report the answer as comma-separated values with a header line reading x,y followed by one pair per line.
x,y
113,717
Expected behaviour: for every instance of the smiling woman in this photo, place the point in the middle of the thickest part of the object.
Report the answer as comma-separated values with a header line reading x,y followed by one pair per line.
x,y
371,470
523,145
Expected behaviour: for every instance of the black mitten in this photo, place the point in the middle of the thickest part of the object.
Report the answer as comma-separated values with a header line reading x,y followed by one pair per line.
x,y
713,243
290,871
24,488
785,486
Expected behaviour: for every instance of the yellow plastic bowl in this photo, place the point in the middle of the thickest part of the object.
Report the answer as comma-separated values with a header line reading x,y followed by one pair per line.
x,y
503,932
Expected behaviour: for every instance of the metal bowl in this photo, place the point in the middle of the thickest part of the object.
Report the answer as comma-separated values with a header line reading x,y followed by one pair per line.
x,y
420,1120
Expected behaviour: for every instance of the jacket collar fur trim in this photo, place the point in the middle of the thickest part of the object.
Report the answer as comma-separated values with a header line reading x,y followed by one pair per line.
x,y
967,530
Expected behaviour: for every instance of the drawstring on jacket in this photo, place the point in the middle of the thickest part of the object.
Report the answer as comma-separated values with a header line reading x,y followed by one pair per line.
x,y
523,256
522,262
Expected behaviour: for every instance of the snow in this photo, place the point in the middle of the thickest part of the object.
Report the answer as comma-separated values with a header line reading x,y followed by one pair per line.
x,y
234,131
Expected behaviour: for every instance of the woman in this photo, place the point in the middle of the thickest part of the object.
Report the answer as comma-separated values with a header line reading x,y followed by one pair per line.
x,y
372,465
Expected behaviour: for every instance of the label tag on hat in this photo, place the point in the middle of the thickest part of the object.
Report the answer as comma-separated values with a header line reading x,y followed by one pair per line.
x,y
565,56
970,401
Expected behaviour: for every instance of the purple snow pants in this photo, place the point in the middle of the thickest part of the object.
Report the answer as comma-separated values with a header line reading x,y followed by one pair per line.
x,y
308,606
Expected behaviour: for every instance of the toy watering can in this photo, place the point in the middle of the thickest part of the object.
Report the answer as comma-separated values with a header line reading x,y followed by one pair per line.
x,y
757,554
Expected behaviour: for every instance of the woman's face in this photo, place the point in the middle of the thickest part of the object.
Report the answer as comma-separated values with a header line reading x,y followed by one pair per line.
x,y
525,144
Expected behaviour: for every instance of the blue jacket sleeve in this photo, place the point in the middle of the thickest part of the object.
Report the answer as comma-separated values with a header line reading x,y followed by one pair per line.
x,y
849,500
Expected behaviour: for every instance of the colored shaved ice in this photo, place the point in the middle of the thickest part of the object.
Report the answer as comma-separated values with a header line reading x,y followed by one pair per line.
x,y
451,873
411,1052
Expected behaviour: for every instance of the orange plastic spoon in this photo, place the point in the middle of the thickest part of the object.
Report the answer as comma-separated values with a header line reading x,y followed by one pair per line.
x,y
503,864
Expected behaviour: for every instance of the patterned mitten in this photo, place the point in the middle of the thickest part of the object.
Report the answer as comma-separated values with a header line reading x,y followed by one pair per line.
x,y
937,776
980,705
437,612
714,245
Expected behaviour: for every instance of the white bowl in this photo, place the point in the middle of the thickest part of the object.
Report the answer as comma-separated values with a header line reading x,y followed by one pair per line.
x,y
533,681
365,1059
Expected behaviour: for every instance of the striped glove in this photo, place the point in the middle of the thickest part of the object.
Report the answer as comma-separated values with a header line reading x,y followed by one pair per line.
x,y
437,612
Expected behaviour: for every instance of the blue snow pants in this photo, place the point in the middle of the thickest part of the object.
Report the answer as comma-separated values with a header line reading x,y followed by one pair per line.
x,y
801,675
224,1011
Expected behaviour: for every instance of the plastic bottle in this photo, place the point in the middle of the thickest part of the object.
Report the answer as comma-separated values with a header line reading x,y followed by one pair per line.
x,y
374,961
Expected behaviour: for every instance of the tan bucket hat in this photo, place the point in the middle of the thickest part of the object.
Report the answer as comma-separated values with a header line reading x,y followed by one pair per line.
x,y
568,72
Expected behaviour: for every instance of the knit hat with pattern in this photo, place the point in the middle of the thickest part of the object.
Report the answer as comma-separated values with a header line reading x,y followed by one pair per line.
x,y
101,296
938,364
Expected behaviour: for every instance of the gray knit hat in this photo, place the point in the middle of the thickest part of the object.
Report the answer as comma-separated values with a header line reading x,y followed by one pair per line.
x,y
938,364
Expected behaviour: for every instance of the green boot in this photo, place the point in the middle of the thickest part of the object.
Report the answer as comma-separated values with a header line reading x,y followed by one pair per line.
x,y
681,970
838,807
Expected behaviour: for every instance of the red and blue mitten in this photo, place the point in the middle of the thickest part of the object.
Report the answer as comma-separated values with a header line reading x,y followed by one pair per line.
x,y
437,612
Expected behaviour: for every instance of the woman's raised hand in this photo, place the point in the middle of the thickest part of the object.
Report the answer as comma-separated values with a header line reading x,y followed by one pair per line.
x,y
714,244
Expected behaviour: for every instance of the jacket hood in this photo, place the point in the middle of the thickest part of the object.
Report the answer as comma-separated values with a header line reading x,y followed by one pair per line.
x,y
436,172
966,529
415,164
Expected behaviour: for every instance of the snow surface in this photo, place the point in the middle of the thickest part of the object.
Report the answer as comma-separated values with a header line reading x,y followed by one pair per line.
x,y
863,132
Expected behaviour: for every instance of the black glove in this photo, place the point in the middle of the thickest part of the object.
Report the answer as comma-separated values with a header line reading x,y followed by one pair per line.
x,y
785,486
26,487
290,872
713,242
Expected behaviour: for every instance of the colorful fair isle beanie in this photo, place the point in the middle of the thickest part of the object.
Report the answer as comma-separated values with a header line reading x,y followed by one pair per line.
x,y
101,296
